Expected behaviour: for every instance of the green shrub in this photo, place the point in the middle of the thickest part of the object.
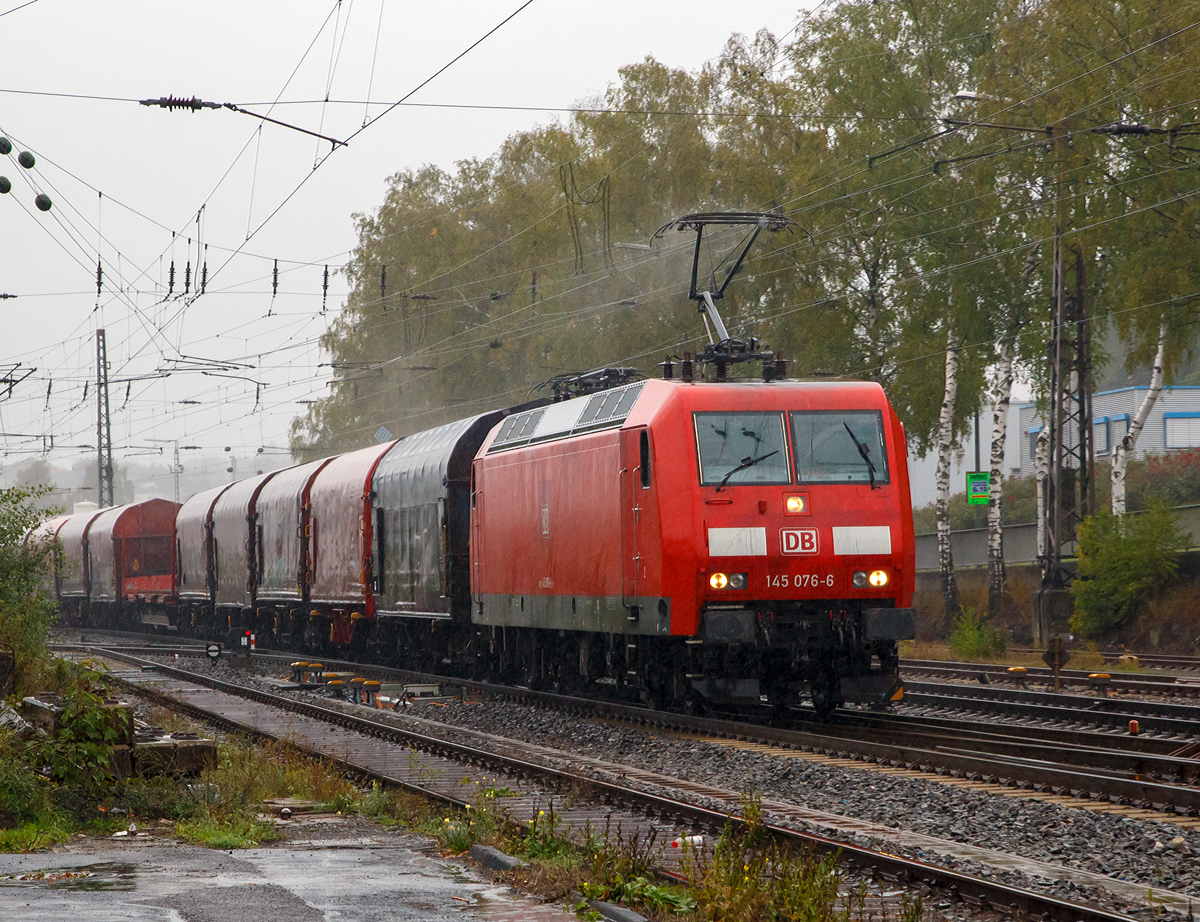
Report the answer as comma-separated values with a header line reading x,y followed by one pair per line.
x,y
975,636
26,610
1123,562
25,795
80,755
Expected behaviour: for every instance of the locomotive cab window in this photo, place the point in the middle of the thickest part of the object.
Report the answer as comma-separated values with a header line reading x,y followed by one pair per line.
x,y
840,446
738,448
644,458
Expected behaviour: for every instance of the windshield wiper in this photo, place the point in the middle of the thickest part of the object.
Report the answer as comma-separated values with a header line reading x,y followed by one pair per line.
x,y
746,462
863,451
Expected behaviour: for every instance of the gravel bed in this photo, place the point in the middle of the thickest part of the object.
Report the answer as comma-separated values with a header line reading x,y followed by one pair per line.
x,y
1123,848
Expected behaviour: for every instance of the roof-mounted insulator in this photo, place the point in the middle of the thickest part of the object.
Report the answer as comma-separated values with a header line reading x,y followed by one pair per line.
x,y
686,368
178,102
668,368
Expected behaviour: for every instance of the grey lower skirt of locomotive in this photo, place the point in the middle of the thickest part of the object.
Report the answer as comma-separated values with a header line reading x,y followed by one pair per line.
x,y
839,653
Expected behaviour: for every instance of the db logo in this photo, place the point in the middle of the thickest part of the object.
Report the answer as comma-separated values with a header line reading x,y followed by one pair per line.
x,y
798,540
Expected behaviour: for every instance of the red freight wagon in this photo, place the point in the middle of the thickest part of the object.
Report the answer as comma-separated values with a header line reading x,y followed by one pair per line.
x,y
340,543
131,560
722,539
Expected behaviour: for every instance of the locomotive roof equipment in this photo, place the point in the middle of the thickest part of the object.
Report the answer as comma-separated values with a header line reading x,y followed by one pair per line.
x,y
726,350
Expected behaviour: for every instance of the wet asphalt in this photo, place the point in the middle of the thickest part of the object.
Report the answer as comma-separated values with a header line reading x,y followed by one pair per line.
x,y
344,871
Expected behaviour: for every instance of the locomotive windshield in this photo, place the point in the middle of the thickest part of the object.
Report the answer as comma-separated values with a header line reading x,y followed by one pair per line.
x,y
839,446
741,448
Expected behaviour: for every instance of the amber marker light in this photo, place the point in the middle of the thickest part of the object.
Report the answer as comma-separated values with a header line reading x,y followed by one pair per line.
x,y
878,578
796,504
733,581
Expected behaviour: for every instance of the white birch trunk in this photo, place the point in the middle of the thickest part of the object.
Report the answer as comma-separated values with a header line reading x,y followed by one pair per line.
x,y
945,446
1000,399
1124,449
1043,479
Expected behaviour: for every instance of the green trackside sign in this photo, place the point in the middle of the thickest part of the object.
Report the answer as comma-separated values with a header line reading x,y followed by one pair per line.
x,y
979,488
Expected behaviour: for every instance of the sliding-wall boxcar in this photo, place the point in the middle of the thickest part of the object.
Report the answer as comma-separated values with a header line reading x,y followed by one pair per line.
x,y
194,552
284,562
235,549
421,507
73,577
341,581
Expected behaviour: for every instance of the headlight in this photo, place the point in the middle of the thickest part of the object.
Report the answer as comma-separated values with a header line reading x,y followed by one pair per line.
x,y
876,578
796,504
729,580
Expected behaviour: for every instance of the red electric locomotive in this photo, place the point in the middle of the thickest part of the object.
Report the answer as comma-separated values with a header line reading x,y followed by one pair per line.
x,y
722,540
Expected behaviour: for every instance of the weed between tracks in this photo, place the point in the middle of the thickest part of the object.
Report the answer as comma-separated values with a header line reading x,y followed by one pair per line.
x,y
746,875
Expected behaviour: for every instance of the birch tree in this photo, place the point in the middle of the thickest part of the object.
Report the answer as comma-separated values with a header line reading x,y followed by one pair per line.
x,y
1001,394
945,446
1124,448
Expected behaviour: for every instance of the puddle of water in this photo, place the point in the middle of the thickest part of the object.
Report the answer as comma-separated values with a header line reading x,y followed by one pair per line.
x,y
501,905
109,875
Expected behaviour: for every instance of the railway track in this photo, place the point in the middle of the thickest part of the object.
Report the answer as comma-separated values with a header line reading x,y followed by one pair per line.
x,y
1157,771
367,744
1158,660
1179,720
1158,685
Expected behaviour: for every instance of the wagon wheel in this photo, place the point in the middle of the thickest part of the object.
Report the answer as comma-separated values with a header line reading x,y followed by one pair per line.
x,y
532,676
826,696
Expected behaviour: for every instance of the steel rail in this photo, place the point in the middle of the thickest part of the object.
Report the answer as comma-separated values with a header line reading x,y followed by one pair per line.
x,y
982,892
1138,683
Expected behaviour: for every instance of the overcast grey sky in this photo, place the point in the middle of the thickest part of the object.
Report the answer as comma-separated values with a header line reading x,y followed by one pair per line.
x,y
124,177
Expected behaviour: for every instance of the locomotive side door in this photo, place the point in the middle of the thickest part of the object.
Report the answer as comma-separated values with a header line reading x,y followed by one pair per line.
x,y
635,481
